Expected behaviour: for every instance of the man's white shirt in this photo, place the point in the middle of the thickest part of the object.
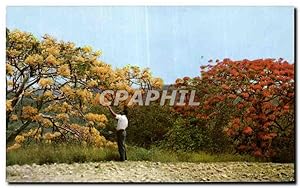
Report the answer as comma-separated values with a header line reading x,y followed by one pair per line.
x,y
122,122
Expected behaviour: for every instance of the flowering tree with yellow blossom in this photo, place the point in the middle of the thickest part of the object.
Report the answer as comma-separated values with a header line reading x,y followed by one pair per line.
x,y
52,85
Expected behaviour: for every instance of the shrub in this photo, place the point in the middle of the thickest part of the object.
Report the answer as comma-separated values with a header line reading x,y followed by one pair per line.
x,y
148,125
194,135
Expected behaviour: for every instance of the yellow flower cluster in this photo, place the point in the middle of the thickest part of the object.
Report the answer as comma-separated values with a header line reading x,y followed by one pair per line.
x,y
8,105
33,133
97,63
13,117
68,91
69,45
29,112
87,49
9,69
79,59
44,82
58,107
92,136
62,116
64,70
146,74
50,136
13,147
92,83
157,83
13,53
19,139
48,94
52,51
37,118
101,118
111,145
21,37
77,127
99,71
56,134
84,94
51,60
74,113
50,46
34,59
65,107
122,86
120,74
98,53
22,40
48,40
19,41
96,139
46,123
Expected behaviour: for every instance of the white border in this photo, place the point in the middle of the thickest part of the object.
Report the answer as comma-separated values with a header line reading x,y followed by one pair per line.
x,y
4,3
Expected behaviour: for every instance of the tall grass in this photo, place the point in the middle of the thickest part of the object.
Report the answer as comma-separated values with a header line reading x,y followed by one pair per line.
x,y
159,155
47,154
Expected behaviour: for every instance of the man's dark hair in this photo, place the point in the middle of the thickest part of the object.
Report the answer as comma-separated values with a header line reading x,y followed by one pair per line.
x,y
125,111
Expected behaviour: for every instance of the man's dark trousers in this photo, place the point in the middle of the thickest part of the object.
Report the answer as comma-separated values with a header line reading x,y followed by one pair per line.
x,y
121,136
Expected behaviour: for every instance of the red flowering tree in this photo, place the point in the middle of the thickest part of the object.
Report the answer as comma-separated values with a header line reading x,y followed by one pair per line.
x,y
257,96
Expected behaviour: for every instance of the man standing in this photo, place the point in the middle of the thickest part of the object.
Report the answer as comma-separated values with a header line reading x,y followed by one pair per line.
x,y
121,132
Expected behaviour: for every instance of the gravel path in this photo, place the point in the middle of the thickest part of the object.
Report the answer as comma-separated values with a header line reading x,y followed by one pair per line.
x,y
143,171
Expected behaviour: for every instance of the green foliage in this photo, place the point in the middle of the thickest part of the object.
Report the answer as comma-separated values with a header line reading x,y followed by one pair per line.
x,y
139,154
148,125
195,135
186,137
285,141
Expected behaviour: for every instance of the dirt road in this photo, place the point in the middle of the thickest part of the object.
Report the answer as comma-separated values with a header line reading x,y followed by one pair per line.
x,y
143,171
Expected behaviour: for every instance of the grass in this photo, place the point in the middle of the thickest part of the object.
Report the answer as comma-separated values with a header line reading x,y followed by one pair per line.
x,y
158,155
47,154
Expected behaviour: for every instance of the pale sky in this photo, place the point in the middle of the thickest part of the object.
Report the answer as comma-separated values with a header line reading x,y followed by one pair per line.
x,y
172,41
